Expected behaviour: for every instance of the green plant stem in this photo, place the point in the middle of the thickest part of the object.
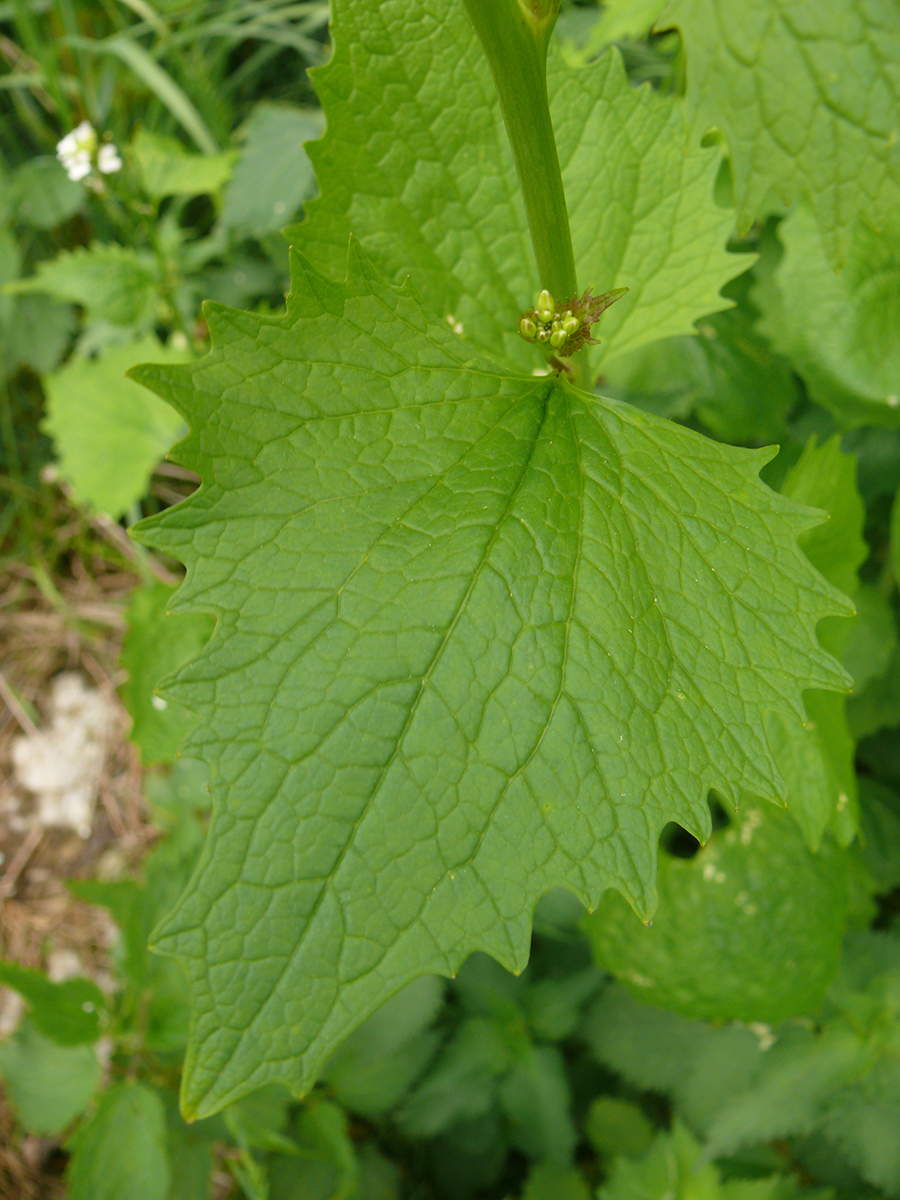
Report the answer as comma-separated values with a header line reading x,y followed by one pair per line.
x,y
515,38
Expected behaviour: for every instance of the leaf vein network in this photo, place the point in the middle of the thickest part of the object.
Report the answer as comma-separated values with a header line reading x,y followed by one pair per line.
x,y
289,958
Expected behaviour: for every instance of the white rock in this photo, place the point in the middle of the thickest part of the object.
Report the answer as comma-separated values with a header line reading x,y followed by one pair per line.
x,y
62,764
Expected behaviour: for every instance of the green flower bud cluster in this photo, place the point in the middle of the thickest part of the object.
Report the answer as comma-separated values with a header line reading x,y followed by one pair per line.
x,y
548,325
563,329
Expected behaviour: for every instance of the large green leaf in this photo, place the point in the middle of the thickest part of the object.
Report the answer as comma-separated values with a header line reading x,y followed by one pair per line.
x,y
479,634
156,644
617,20
547,1181
655,1049
726,374
416,163
121,1151
165,168
42,195
793,1088
274,175
806,96
675,1166
535,1100
47,1084
109,434
68,1012
114,283
840,330
732,940
817,756
377,1065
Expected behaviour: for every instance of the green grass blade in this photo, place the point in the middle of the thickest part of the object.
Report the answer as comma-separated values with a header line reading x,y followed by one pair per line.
x,y
147,13
160,83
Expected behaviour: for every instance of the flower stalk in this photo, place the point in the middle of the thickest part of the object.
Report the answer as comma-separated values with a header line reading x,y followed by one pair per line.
x,y
515,35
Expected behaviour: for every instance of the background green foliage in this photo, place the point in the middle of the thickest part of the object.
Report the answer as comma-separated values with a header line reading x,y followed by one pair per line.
x,y
744,1045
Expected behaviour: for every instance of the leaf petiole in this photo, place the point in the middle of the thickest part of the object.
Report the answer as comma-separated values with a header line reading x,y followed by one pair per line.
x,y
515,36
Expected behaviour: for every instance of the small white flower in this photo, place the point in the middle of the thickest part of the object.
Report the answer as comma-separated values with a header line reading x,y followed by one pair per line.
x,y
77,165
108,160
83,137
78,151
